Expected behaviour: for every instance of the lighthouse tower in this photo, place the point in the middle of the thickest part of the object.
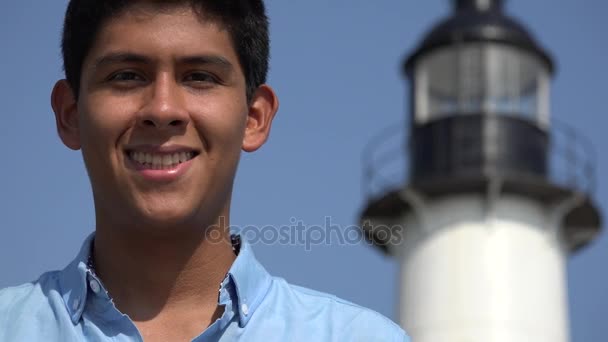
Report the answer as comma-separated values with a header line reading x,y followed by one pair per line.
x,y
492,205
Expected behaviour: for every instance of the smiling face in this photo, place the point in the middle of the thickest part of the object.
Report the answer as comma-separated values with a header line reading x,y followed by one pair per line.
x,y
161,118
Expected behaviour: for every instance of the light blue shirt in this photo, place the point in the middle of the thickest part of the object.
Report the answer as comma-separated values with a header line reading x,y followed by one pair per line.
x,y
72,305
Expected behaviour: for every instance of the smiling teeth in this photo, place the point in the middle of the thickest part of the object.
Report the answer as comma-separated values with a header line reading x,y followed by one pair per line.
x,y
160,161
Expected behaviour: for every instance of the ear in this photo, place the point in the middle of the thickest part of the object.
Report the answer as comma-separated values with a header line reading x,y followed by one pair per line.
x,y
66,114
263,107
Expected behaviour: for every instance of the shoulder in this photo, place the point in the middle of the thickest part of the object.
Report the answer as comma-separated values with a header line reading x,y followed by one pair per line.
x,y
340,318
29,306
13,298
32,293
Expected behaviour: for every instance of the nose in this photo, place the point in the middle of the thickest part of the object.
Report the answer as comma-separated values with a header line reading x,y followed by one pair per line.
x,y
164,107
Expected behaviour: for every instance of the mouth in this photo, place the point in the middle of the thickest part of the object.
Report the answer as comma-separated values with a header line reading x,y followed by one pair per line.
x,y
160,161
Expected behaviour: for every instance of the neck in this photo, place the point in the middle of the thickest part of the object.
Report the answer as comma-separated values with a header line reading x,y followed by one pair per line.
x,y
150,277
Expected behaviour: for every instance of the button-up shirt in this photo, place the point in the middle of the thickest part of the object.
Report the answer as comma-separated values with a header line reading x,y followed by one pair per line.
x,y
73,305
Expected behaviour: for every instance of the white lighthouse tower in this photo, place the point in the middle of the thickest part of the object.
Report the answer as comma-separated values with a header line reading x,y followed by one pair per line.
x,y
487,217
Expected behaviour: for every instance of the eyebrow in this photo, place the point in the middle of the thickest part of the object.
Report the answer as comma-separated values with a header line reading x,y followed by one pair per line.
x,y
127,57
207,59
120,57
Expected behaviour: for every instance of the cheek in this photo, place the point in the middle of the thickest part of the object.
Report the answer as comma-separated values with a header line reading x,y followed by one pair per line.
x,y
101,126
107,117
221,127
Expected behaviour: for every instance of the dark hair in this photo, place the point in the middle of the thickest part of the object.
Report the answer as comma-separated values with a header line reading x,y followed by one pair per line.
x,y
245,20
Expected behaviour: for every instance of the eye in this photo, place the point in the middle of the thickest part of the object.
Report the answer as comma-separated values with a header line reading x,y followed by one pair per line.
x,y
201,77
125,76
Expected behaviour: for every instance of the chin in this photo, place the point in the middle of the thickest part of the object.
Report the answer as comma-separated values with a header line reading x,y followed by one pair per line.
x,y
167,217
165,225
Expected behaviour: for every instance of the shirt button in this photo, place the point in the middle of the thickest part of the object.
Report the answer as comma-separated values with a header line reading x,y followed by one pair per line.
x,y
75,304
94,286
245,309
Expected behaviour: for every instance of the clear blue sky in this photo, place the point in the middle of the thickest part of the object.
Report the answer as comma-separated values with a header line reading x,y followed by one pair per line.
x,y
336,69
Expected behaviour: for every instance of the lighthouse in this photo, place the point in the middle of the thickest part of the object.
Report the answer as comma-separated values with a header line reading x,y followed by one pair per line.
x,y
497,194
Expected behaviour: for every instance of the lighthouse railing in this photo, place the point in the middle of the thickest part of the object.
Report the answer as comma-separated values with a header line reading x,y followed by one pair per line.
x,y
571,160
384,160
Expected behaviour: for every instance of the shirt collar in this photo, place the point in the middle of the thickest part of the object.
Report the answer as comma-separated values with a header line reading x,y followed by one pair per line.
x,y
251,281
73,281
246,274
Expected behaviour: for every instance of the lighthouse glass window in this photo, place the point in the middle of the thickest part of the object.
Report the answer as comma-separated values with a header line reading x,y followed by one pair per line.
x,y
481,78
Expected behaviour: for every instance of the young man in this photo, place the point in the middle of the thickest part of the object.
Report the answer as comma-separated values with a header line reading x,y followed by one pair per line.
x,y
161,97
